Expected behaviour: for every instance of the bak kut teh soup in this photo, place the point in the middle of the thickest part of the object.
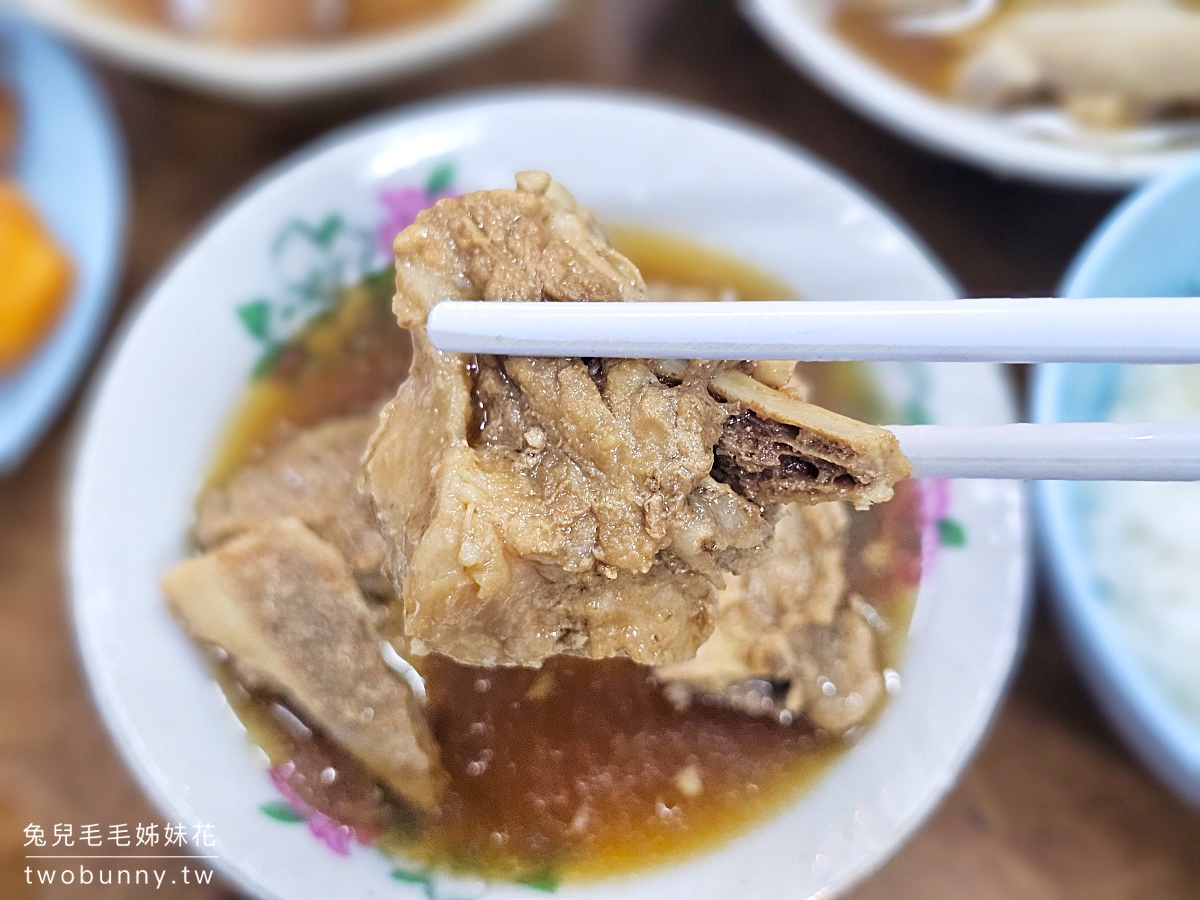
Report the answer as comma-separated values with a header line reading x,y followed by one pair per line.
x,y
278,21
583,761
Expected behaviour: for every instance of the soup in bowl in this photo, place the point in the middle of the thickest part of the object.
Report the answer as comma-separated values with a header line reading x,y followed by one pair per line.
x,y
622,752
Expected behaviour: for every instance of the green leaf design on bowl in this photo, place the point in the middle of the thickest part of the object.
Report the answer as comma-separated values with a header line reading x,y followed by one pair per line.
x,y
547,881
328,230
266,362
255,317
281,812
952,533
440,179
410,877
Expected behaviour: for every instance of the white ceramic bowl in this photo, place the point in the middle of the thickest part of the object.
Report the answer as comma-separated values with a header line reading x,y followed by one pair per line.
x,y
1146,248
798,30
183,361
283,73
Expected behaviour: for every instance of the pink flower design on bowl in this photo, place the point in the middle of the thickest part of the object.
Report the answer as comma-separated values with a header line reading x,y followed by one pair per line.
x,y
404,203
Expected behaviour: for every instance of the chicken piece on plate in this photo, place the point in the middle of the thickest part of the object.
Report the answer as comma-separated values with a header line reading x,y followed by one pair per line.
x,y
313,477
542,506
284,605
1108,64
788,624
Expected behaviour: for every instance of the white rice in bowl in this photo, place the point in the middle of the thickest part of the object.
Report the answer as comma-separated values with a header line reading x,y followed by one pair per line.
x,y
1144,540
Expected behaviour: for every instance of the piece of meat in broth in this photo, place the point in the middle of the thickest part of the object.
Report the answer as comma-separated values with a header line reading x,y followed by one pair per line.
x,y
788,623
542,506
313,477
1108,64
284,605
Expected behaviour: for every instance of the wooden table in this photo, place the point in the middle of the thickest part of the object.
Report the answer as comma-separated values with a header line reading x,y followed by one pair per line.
x,y
1052,807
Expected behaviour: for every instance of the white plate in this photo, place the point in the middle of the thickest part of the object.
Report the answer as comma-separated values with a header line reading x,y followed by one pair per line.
x,y
182,363
798,29
282,73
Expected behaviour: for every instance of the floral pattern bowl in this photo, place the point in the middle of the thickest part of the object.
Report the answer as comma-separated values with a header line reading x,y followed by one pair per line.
x,y
325,218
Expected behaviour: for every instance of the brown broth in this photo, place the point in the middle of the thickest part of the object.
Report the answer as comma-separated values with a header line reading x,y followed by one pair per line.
x,y
679,261
928,63
288,21
345,362
575,770
581,769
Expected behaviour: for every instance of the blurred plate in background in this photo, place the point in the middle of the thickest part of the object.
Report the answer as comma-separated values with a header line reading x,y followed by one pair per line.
x,y
70,163
283,72
800,31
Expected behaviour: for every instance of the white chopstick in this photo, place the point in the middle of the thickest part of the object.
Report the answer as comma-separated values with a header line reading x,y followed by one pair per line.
x,y
1141,330
1091,451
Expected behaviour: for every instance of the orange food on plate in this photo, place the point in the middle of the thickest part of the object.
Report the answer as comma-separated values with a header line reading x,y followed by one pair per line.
x,y
35,277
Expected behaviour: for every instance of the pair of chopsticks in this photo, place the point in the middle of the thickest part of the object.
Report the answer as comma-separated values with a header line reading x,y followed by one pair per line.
x,y
1155,330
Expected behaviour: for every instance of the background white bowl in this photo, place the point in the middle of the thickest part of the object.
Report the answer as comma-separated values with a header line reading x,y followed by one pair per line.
x,y
183,361
798,30
286,72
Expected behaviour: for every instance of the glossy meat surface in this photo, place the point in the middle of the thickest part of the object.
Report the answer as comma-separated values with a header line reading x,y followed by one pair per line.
x,y
313,477
283,604
534,507
789,623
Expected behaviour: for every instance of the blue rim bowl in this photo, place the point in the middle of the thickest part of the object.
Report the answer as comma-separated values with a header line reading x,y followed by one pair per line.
x,y
71,163
1149,246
